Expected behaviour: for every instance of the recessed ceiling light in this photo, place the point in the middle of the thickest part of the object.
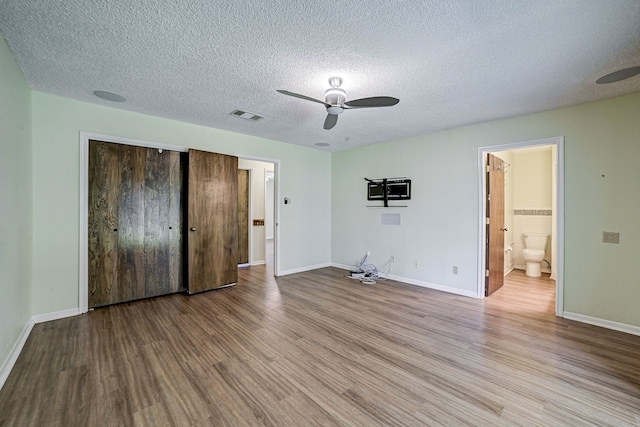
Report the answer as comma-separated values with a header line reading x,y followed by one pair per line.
x,y
322,144
109,96
619,75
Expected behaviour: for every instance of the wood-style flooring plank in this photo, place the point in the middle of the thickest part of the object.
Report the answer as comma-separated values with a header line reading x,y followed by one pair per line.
x,y
319,349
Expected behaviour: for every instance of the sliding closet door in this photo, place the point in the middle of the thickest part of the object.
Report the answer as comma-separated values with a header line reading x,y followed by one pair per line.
x,y
135,223
104,195
212,221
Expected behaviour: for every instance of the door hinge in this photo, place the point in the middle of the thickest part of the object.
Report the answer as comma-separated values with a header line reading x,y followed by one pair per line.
x,y
489,197
487,221
486,273
488,168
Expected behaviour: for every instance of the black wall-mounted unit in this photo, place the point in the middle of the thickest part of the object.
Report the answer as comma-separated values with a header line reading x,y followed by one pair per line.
x,y
388,189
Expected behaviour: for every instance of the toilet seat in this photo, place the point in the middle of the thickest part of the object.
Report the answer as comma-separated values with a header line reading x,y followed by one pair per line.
x,y
533,252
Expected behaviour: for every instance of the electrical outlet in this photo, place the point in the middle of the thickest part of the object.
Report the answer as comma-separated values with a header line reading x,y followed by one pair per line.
x,y
610,237
455,269
393,258
416,264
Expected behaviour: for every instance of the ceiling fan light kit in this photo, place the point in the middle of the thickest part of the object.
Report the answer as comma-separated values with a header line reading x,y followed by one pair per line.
x,y
335,101
335,96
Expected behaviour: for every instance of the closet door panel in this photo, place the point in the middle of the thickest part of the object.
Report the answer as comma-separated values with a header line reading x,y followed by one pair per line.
x,y
104,182
177,168
212,220
156,224
131,255
135,223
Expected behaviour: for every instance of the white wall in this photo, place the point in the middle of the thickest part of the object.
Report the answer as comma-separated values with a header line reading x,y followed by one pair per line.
x,y
15,203
439,224
269,222
57,123
440,227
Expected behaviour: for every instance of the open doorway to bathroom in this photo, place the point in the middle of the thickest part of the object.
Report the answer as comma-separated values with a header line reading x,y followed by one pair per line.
x,y
533,205
262,235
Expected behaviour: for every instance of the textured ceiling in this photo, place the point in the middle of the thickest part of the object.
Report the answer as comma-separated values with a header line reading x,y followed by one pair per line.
x,y
450,63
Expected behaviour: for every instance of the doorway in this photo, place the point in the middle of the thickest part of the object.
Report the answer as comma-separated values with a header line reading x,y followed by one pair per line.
x,y
556,225
262,212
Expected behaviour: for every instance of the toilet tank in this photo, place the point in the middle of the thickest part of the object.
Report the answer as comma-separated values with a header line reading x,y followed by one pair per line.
x,y
535,240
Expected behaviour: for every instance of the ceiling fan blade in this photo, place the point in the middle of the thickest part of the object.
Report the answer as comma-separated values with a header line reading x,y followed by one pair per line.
x,y
374,101
297,95
330,121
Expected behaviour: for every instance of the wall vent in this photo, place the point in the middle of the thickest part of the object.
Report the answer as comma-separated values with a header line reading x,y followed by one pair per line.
x,y
246,115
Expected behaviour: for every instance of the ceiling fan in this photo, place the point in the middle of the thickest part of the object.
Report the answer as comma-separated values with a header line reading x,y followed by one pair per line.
x,y
334,101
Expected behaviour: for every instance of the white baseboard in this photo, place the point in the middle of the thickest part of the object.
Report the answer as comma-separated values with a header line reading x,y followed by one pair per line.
x,y
11,359
435,286
609,324
46,317
303,269
258,262
341,266
420,283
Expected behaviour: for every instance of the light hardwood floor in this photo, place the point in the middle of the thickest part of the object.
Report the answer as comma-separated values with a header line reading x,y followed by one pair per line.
x,y
316,348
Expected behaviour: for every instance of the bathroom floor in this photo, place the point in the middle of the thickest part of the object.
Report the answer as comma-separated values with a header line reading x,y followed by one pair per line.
x,y
524,293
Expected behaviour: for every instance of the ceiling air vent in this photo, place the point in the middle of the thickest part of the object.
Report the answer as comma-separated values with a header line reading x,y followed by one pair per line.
x,y
246,115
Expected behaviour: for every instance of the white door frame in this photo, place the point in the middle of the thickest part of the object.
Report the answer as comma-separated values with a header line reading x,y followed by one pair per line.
x,y
558,142
83,269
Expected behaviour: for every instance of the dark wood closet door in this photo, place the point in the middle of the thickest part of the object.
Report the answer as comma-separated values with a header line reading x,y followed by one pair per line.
x,y
212,221
243,216
162,237
130,201
135,223
104,187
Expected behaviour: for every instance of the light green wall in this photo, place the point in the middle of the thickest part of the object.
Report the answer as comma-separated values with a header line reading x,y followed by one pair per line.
x,y
304,175
440,226
15,201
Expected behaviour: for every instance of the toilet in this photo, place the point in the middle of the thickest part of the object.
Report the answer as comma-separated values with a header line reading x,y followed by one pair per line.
x,y
533,253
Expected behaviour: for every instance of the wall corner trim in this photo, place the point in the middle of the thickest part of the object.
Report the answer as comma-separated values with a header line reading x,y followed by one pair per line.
x,y
603,323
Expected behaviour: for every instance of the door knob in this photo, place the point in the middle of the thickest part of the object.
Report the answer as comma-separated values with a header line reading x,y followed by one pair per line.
x,y
193,229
